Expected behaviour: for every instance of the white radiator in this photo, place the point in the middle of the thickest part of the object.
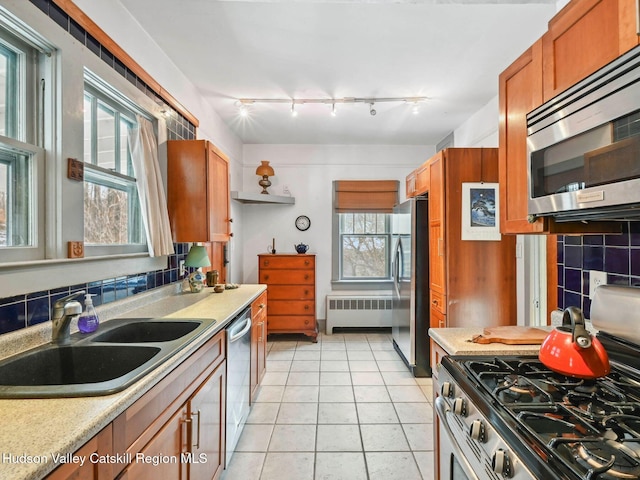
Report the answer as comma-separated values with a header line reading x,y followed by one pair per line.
x,y
358,311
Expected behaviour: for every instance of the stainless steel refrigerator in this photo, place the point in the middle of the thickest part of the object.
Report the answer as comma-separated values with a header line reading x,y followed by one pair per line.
x,y
410,272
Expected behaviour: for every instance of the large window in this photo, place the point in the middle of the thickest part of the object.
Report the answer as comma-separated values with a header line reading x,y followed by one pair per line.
x,y
23,74
365,240
111,207
362,232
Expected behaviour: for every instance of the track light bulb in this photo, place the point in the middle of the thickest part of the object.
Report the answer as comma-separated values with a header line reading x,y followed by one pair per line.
x,y
333,110
415,109
244,111
294,112
372,110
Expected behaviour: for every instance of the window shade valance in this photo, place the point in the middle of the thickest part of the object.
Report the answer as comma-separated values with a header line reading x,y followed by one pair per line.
x,y
372,196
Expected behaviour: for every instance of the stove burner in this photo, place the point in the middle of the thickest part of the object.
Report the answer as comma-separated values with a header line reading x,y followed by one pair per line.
x,y
611,458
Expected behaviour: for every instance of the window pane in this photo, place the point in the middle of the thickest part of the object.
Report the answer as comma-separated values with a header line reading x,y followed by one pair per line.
x,y
364,256
17,215
106,215
125,159
8,92
87,128
106,138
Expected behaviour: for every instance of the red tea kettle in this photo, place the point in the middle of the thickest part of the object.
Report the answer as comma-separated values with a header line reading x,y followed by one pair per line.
x,y
570,349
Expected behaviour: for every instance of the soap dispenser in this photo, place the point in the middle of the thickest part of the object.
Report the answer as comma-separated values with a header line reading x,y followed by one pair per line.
x,y
88,320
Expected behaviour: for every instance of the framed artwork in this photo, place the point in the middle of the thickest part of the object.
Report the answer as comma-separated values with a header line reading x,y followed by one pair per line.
x,y
480,212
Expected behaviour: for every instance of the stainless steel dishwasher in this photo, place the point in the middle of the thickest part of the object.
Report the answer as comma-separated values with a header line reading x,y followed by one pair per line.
x,y
238,378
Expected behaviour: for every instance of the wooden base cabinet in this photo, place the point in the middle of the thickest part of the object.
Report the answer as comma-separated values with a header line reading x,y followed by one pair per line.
x,y
101,444
258,342
291,288
176,430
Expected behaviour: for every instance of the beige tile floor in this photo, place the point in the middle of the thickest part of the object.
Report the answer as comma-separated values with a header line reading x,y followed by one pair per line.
x,y
345,408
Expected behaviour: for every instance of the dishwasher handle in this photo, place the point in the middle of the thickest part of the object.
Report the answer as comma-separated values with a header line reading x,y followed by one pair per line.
x,y
235,335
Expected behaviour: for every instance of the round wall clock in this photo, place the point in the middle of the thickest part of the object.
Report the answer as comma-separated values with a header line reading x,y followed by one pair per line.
x,y
303,223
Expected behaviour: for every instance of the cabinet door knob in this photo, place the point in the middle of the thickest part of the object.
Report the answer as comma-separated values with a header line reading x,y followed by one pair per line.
x,y
435,302
261,306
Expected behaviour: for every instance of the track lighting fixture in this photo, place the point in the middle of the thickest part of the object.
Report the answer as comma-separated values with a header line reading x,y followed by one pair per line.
x,y
245,103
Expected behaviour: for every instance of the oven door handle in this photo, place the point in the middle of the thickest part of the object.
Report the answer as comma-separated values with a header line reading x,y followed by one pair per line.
x,y
442,409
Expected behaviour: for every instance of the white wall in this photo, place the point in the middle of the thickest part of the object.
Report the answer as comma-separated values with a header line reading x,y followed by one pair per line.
x,y
308,172
481,129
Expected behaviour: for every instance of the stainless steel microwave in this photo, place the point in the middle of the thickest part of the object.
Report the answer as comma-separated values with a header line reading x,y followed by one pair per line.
x,y
584,147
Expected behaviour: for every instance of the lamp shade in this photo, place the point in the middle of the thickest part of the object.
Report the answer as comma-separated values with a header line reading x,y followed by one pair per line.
x,y
197,257
265,169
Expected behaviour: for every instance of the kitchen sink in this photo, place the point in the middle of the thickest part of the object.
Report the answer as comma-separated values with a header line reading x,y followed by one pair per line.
x,y
120,353
148,331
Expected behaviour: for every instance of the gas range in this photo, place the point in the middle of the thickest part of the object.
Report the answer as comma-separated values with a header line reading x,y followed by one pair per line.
x,y
512,417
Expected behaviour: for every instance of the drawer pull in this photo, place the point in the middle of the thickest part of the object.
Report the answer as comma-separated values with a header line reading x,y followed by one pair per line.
x,y
306,322
266,277
306,262
197,445
266,262
261,306
306,277
306,307
306,292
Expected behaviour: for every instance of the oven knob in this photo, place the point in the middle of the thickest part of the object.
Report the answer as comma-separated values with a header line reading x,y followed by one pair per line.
x,y
477,432
460,407
447,389
501,463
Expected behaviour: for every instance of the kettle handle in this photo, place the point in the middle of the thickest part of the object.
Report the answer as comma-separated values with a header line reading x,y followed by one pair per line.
x,y
574,317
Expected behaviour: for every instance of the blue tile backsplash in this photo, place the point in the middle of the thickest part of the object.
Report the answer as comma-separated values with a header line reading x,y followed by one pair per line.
x,y
32,308
618,255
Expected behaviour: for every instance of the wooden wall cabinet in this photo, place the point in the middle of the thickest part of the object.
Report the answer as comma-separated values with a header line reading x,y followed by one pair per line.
x,y
465,275
197,191
410,185
422,179
584,36
258,342
291,289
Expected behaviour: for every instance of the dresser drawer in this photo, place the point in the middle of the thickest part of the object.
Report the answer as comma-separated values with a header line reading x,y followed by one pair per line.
x,y
287,277
291,292
291,307
293,262
290,322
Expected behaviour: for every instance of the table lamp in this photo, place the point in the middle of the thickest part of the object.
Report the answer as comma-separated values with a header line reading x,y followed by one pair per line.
x,y
265,171
198,258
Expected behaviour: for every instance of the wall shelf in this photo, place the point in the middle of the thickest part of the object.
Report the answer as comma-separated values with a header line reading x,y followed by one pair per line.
x,y
249,197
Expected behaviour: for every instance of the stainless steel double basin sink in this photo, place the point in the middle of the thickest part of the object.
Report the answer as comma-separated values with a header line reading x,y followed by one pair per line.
x,y
120,353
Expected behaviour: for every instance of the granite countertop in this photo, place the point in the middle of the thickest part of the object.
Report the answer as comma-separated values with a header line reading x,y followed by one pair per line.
x,y
34,431
457,341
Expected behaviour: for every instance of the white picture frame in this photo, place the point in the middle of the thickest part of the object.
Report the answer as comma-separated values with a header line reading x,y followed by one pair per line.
x,y
481,212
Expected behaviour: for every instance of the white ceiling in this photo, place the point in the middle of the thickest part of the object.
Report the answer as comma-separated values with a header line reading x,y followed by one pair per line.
x,y
449,51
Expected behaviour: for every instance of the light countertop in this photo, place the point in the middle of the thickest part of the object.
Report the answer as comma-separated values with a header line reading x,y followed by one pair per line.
x,y
39,429
457,341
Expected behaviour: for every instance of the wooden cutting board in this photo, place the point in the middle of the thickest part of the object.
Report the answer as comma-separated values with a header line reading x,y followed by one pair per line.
x,y
511,335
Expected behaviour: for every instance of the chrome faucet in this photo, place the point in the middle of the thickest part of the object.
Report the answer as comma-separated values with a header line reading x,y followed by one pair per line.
x,y
63,312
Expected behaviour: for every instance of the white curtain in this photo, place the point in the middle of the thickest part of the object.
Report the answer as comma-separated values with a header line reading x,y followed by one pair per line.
x,y
144,153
